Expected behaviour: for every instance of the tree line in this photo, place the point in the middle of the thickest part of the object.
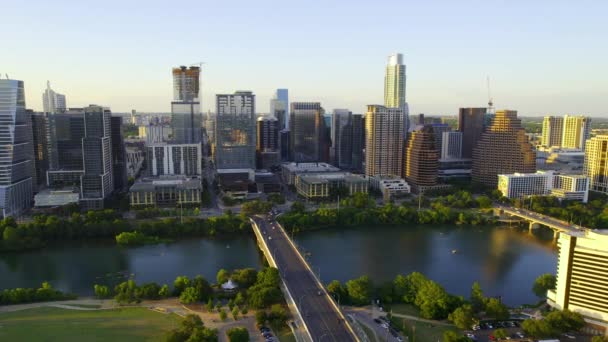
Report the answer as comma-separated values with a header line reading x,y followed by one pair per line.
x,y
45,293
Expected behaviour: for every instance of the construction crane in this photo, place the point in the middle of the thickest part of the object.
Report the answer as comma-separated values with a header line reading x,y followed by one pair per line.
x,y
490,100
200,64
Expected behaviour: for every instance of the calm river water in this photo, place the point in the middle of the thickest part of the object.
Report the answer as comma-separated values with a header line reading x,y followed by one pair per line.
x,y
505,261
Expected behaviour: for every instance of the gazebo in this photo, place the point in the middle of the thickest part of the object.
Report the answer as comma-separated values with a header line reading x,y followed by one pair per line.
x,y
229,286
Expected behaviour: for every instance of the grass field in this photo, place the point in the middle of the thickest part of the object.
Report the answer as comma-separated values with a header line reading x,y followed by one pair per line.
x,y
405,309
421,331
54,324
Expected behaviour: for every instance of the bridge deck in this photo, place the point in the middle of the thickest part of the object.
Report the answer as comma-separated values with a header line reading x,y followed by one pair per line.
x,y
544,220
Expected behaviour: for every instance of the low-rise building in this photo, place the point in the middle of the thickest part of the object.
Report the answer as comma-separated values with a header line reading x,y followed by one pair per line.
x,y
318,186
166,191
135,161
390,186
291,170
582,276
454,168
571,187
56,198
543,183
236,182
267,182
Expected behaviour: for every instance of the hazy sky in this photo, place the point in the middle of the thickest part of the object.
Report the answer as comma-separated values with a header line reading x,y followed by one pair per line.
x,y
542,56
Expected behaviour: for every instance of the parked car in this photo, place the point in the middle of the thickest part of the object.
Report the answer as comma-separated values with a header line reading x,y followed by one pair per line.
x,y
471,336
377,321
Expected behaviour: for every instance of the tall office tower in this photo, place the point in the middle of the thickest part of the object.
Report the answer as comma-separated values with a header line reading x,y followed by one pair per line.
x,y
308,140
439,129
358,145
186,84
17,162
451,145
174,159
53,102
235,129
284,142
383,141
577,130
154,133
421,119
421,159
553,127
119,154
267,142
394,88
41,150
342,138
581,277
186,117
471,124
80,153
278,109
595,165
503,149
282,95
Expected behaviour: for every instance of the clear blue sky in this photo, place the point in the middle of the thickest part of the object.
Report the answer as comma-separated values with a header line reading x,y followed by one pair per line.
x,y
542,56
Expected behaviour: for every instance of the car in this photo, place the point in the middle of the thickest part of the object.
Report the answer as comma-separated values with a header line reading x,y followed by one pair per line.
x,y
570,336
270,238
520,334
383,318
492,338
384,325
471,336
264,329
490,326
377,321
399,338
319,293
267,335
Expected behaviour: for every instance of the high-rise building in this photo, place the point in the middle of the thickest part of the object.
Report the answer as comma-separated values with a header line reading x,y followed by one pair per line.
x,y
522,185
581,277
17,162
154,133
595,165
279,107
186,84
553,128
235,131
119,153
308,140
267,142
174,159
577,130
284,142
341,152
421,159
358,145
451,145
439,128
81,153
186,117
471,124
53,102
394,88
383,141
502,149
41,149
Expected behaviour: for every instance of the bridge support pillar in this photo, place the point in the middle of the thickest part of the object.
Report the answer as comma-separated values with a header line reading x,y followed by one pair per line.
x,y
533,225
555,235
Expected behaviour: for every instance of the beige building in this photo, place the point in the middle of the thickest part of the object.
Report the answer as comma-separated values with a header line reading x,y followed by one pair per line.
x,y
582,277
166,191
553,127
383,141
319,186
577,130
595,165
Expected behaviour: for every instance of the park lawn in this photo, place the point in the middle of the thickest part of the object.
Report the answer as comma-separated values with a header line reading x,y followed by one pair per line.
x,y
423,331
405,309
116,325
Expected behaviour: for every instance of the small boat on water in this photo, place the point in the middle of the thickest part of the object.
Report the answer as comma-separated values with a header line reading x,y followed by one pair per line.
x,y
454,251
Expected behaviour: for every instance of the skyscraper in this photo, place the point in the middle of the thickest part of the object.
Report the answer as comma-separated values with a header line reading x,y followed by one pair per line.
x,y
280,102
308,140
267,142
502,149
471,124
394,88
451,145
553,129
186,117
235,131
421,159
41,151
342,138
81,153
596,163
439,129
358,145
173,159
577,130
383,141
119,153
53,102
16,164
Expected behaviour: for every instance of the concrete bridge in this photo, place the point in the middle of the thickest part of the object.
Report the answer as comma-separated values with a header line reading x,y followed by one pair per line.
x,y
535,220
317,316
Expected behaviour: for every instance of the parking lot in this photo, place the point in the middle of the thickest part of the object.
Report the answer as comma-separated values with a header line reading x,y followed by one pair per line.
x,y
485,331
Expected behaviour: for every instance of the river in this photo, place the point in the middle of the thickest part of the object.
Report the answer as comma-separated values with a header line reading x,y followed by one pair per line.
x,y
505,261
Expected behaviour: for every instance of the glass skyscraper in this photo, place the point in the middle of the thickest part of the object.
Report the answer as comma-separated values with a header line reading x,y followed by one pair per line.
x,y
53,102
235,131
186,117
308,136
16,150
394,88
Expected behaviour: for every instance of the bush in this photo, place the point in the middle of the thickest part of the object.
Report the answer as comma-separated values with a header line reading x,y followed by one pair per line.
x,y
102,291
238,334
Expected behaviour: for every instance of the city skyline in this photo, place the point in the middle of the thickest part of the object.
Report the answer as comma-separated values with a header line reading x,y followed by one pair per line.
x,y
537,69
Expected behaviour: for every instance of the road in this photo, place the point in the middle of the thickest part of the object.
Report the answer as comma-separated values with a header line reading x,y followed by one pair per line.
x,y
548,221
321,317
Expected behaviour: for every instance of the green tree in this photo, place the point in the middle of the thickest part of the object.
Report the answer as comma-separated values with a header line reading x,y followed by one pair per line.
x,y
189,296
203,287
484,202
126,292
500,334
261,317
452,336
238,334
543,283
235,313
359,290
245,277
433,301
463,317
222,276
244,310
478,301
223,315
101,291
336,290
536,328
180,284
209,305
599,339
239,299
565,321
164,291
496,309
277,315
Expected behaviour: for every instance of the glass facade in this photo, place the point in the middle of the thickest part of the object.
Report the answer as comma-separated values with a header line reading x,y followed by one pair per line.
x,y
308,140
235,131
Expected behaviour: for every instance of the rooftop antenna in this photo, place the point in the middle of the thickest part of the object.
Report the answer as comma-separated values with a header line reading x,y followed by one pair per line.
x,y
490,100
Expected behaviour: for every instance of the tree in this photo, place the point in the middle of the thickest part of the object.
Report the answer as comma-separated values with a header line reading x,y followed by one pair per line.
x,y
223,315
565,321
298,207
222,276
238,334
277,315
536,328
463,317
245,277
400,288
359,290
126,293
189,295
543,283
433,301
599,339
202,287
235,313
239,299
452,336
260,317
209,305
336,290
101,291
500,334
484,202
164,291
496,309
180,284
478,301
244,310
